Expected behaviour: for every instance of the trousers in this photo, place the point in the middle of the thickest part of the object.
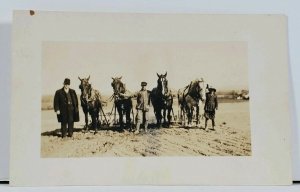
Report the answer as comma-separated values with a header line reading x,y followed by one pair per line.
x,y
69,123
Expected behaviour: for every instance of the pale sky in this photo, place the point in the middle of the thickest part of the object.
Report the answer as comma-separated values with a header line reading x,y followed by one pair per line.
x,y
223,65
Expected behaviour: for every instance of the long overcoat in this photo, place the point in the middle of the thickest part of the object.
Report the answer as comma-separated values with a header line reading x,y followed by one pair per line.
x,y
211,102
61,104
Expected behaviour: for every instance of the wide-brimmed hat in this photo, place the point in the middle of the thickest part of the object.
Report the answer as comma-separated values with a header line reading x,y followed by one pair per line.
x,y
212,90
67,81
143,83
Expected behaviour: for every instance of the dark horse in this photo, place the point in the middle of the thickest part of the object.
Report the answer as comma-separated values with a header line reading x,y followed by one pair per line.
x,y
90,103
188,98
122,103
162,100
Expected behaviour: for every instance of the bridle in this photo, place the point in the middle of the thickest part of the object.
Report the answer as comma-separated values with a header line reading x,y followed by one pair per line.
x,y
86,91
118,89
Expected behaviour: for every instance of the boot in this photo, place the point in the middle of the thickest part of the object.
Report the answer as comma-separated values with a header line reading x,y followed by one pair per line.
x,y
146,127
213,124
206,128
137,128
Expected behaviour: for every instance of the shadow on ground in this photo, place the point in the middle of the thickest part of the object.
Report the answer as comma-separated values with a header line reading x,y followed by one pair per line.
x,y
114,128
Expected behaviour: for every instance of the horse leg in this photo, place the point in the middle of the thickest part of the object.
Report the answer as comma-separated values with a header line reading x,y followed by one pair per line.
x,y
197,116
156,116
121,119
128,120
94,122
183,116
164,116
86,115
188,114
180,115
169,116
98,123
191,117
156,111
159,117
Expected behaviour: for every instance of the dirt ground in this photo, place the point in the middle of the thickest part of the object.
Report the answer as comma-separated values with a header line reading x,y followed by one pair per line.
x,y
230,138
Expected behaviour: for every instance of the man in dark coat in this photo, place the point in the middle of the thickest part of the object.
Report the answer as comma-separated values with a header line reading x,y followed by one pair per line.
x,y
66,108
211,104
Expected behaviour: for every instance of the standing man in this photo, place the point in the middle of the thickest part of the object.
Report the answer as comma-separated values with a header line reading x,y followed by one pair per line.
x,y
211,104
66,108
142,107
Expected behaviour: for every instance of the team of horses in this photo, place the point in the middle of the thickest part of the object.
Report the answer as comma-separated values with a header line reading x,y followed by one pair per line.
x,y
161,98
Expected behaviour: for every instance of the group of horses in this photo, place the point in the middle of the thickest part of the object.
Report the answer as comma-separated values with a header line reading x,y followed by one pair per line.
x,y
161,98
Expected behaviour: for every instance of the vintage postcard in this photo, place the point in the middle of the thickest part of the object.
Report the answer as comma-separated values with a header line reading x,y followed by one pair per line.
x,y
139,99
186,116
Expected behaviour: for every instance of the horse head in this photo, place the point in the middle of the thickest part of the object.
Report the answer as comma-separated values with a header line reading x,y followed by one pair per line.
x,y
162,84
196,89
118,85
85,87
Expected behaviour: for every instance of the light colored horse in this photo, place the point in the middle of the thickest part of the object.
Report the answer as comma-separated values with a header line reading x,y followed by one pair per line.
x,y
190,98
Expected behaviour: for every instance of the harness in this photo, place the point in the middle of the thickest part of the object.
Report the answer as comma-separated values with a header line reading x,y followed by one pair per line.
x,y
92,96
195,97
116,95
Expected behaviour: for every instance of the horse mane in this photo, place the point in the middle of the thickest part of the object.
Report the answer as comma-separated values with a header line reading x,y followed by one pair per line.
x,y
192,89
122,88
193,86
92,94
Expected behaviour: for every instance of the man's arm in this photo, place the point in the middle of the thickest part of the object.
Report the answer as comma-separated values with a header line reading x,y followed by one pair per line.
x,y
129,94
56,103
216,101
149,97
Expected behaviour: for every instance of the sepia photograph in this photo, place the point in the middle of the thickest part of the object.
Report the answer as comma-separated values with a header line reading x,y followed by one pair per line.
x,y
149,99
130,99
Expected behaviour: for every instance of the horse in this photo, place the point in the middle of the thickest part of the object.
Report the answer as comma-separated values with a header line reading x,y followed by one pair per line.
x,y
188,99
162,100
90,102
122,103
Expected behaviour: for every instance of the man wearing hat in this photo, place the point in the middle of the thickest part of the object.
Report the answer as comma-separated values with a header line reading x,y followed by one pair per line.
x,y
142,107
66,108
211,104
